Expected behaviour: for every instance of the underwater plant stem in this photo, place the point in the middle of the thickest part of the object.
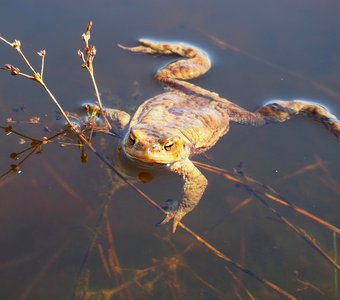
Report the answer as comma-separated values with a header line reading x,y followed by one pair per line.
x,y
276,198
188,230
237,265
300,232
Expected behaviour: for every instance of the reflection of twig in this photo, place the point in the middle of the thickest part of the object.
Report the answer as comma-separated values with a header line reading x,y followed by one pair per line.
x,y
306,284
35,147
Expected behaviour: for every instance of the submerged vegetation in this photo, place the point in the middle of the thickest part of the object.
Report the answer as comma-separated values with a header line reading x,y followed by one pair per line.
x,y
163,277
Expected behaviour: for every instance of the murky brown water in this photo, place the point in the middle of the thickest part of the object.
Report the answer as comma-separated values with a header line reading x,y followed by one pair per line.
x,y
49,212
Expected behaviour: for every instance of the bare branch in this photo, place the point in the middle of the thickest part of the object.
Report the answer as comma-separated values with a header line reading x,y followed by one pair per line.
x,y
90,51
42,53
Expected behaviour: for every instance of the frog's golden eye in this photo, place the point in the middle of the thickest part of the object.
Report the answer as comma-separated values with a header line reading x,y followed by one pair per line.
x,y
132,139
168,145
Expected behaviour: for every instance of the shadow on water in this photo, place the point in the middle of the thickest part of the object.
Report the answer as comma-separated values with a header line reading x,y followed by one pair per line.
x,y
69,229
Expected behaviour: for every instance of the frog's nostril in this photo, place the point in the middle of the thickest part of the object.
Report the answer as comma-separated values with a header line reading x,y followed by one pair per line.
x,y
156,148
139,146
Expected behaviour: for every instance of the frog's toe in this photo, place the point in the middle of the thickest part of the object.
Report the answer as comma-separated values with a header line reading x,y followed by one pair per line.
x,y
175,223
171,213
140,48
168,218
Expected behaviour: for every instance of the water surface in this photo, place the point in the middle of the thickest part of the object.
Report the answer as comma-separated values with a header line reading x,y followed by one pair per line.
x,y
49,213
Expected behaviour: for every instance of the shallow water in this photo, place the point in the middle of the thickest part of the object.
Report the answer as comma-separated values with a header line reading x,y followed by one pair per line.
x,y
49,212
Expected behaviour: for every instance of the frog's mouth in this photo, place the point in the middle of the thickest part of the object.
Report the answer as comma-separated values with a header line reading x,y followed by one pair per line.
x,y
149,160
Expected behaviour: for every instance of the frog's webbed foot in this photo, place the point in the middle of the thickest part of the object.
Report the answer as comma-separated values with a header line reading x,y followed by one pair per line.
x,y
153,47
144,47
171,213
281,111
196,63
194,186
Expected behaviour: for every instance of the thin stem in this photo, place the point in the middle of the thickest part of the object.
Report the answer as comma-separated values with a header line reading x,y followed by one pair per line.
x,y
16,44
59,107
42,66
5,41
26,76
91,72
26,60
38,77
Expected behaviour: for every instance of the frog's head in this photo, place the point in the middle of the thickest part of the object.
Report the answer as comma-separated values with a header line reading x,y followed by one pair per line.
x,y
154,146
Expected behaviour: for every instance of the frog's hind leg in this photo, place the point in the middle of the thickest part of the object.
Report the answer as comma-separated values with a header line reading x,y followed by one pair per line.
x,y
196,63
281,111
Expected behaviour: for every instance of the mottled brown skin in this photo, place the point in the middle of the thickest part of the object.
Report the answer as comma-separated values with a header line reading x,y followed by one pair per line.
x,y
186,120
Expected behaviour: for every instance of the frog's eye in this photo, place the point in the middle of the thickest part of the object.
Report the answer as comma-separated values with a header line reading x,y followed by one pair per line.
x,y
132,139
168,145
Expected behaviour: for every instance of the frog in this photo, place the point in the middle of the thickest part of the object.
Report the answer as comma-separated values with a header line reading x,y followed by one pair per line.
x,y
168,129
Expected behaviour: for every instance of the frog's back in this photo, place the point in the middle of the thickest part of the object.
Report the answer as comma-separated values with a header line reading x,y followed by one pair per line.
x,y
197,119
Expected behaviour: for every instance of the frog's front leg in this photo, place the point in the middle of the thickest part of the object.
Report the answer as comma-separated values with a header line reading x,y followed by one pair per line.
x,y
118,119
194,186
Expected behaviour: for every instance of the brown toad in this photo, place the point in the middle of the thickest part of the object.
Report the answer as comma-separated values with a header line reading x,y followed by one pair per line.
x,y
186,120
